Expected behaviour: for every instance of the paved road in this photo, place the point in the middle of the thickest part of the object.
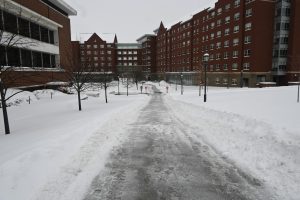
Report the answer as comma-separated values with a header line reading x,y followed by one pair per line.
x,y
161,161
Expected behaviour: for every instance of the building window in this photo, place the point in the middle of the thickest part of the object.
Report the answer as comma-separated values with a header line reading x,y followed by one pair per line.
x,y
46,60
237,3
219,11
246,66
234,81
23,27
226,43
234,66
235,41
10,22
226,55
248,12
36,59
227,31
26,58
236,16
218,45
248,26
235,54
236,29
35,31
247,39
225,67
227,7
247,53
227,19
219,33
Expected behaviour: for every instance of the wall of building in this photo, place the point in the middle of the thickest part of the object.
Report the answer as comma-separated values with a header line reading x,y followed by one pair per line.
x,y
238,35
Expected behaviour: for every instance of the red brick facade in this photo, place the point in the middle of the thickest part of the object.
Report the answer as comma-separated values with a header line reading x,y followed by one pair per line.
x,y
56,13
237,34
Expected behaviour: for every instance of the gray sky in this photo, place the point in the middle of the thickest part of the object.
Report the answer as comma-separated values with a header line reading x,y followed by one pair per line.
x,y
129,19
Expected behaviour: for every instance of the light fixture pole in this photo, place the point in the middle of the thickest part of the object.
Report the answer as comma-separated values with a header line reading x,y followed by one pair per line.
x,y
205,57
118,85
181,77
242,82
298,86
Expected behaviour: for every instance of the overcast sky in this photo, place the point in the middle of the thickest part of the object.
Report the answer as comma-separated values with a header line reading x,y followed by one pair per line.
x,y
129,19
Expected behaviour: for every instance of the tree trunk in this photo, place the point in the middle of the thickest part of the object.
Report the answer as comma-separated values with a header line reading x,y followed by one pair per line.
x,y
5,116
79,100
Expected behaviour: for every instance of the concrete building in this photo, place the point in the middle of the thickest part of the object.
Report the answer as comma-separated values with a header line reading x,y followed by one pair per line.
x,y
248,41
41,47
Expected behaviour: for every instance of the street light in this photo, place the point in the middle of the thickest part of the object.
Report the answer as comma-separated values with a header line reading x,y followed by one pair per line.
x,y
181,77
242,82
298,87
205,58
118,85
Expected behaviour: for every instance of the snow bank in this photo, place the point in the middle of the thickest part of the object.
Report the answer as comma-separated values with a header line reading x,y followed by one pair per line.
x,y
54,151
257,129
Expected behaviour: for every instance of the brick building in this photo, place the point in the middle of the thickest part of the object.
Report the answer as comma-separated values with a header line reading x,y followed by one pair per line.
x,y
248,42
41,30
148,52
96,52
108,56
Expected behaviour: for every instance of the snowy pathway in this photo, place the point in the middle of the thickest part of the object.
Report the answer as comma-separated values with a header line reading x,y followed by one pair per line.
x,y
160,160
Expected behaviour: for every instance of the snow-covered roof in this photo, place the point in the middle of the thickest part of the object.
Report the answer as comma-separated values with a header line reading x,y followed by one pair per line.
x,y
182,20
108,37
145,36
129,46
64,6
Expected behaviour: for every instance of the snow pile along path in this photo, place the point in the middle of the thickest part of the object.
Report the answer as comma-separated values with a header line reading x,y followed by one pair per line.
x,y
75,177
54,151
251,144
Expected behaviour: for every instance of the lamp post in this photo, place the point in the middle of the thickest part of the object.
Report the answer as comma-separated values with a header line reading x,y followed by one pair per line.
x,y
241,82
298,87
181,77
118,85
176,81
205,58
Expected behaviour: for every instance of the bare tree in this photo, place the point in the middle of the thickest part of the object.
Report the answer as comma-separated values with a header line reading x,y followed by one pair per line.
x,y
137,76
80,76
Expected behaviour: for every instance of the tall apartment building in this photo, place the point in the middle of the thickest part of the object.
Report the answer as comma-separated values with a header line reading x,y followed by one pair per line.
x,y
249,41
148,45
128,57
42,39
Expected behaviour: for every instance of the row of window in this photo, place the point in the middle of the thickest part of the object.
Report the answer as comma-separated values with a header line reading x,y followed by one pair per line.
x,y
218,34
23,27
26,58
95,46
127,58
102,52
127,64
127,52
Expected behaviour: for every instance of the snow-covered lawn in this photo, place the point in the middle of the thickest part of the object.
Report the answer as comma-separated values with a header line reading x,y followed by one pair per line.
x,y
54,151
256,128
